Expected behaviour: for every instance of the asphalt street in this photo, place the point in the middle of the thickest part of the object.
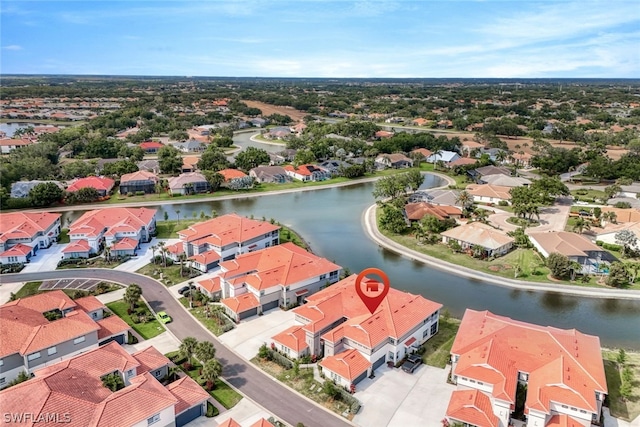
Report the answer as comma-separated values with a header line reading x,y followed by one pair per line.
x,y
253,383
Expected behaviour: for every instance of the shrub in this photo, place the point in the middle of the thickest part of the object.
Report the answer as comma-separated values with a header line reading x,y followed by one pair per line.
x,y
622,205
187,366
139,193
503,203
135,318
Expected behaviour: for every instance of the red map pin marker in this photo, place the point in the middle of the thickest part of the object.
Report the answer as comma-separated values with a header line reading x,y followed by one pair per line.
x,y
370,291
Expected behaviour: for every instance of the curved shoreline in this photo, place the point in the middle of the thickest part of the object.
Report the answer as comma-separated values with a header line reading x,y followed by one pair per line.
x,y
371,230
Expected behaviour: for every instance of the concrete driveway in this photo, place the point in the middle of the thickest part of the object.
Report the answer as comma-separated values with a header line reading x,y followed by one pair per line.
x,y
396,398
251,333
45,259
552,218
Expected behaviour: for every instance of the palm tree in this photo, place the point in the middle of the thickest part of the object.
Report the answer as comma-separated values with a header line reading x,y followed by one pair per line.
x,y
464,199
501,156
188,347
163,252
211,371
153,252
581,225
205,351
178,215
481,215
107,254
132,295
437,154
575,268
182,258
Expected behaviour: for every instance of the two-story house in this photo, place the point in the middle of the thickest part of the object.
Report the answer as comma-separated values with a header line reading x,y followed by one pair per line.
x,y
500,364
74,391
335,322
277,276
22,234
111,226
208,243
46,328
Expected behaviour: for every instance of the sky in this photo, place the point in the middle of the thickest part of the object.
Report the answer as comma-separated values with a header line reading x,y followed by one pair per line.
x,y
317,38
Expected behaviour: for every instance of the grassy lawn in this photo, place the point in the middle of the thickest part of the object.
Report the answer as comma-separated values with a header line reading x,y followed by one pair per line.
x,y
303,383
170,274
64,236
29,288
95,262
146,330
288,235
589,196
437,349
169,229
211,323
32,288
629,409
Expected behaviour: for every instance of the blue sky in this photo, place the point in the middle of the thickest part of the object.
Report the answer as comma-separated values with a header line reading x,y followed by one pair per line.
x,y
367,38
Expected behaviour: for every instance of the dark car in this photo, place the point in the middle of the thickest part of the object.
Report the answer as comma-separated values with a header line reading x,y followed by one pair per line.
x,y
184,289
412,363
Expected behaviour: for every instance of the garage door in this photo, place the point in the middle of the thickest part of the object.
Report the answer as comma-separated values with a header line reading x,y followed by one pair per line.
x,y
270,305
188,415
378,363
360,377
248,313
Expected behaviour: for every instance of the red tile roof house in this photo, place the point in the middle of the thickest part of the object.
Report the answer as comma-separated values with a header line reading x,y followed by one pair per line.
x,y
109,226
223,238
487,193
74,390
492,355
151,147
29,341
307,173
335,322
277,276
102,184
233,423
22,234
8,145
138,181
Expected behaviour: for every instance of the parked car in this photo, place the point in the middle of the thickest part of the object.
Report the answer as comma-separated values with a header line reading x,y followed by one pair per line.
x,y
184,289
164,317
412,363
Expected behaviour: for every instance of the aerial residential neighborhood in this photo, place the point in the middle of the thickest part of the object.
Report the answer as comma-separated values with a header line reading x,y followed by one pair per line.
x,y
188,251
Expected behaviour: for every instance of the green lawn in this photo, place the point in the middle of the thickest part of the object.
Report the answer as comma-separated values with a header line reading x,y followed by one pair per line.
x,y
222,392
29,288
288,235
620,408
32,288
211,323
64,236
170,274
169,229
146,330
437,349
589,196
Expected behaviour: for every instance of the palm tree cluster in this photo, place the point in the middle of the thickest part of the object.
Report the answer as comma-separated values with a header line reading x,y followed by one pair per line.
x,y
205,352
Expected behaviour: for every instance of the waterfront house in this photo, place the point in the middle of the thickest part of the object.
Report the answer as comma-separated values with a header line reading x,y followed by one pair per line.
x,y
307,173
23,234
188,183
476,234
103,185
268,174
574,246
104,227
223,238
421,152
38,330
498,363
138,181
416,211
608,233
74,391
282,275
21,189
396,161
443,156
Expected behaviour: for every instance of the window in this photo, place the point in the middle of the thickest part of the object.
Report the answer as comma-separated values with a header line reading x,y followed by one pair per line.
x,y
323,276
153,419
333,274
267,244
33,356
425,333
2,381
1,362
79,340
434,328
52,350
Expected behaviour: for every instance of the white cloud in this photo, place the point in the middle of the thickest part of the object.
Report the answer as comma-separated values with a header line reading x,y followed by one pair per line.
x,y
12,47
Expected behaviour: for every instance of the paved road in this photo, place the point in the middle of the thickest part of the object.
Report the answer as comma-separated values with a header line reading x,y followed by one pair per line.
x,y
552,218
258,386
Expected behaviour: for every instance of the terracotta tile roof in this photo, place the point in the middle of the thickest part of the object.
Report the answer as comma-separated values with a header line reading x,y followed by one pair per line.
x,y
20,225
177,182
624,215
75,324
188,393
281,265
488,190
304,170
176,248
563,365
241,303
99,183
293,338
472,407
230,423
383,134
426,153
471,144
230,174
93,223
462,161
563,420
46,301
126,243
262,423
477,233
565,243
138,176
17,250
211,285
81,245
14,142
227,229
150,359
89,303
149,145
348,364
416,211
205,258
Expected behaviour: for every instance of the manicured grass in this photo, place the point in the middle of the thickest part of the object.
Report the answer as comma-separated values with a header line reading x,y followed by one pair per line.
x,y
590,196
170,274
169,229
211,323
303,383
64,236
146,330
620,408
222,392
95,262
288,235
29,288
521,222
437,350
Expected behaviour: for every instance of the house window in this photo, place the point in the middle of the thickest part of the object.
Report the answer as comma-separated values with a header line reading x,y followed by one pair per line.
x,y
153,419
434,328
425,333
333,274
267,244
1,363
33,356
323,276
52,350
79,340
2,381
